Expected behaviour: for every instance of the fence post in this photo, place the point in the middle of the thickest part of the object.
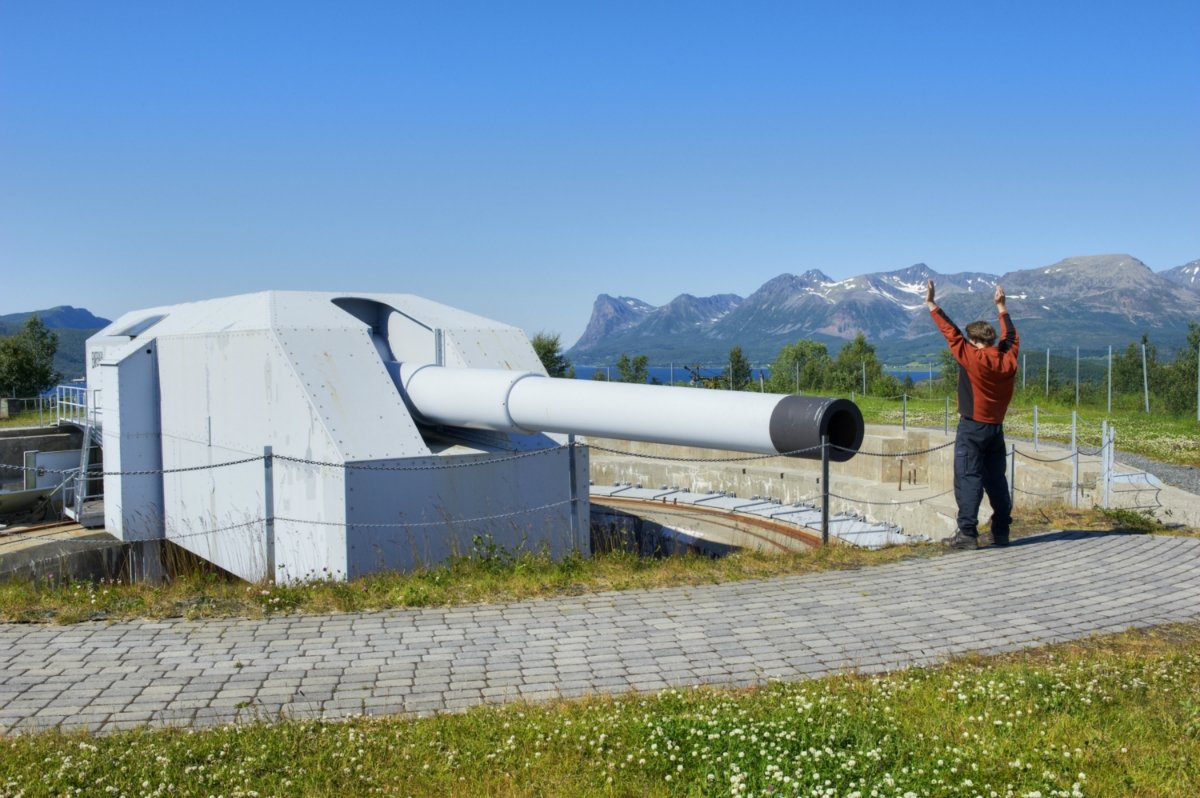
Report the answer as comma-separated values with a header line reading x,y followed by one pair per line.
x,y
1074,461
1104,450
1077,376
269,509
1047,372
1110,382
1035,429
946,420
904,411
825,490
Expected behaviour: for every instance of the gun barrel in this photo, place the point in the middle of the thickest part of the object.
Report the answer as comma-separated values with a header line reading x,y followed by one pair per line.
x,y
526,401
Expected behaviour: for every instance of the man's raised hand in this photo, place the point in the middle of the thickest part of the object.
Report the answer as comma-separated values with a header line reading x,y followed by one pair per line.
x,y
999,297
929,293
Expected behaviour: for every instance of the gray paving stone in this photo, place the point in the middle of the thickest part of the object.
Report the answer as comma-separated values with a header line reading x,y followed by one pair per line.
x,y
105,677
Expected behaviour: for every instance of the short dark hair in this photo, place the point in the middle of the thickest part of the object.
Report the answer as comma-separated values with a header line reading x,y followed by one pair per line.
x,y
982,332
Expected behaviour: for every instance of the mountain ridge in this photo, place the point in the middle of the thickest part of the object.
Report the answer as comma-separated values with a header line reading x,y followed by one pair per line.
x,y
72,325
1089,301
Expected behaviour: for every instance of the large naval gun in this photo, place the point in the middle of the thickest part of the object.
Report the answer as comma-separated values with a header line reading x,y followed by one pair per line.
x,y
297,435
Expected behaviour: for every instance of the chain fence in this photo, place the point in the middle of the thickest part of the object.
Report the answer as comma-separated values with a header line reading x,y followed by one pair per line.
x,y
1144,497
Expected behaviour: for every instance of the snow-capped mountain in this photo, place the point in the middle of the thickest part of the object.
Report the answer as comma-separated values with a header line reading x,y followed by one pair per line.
x,y
1089,301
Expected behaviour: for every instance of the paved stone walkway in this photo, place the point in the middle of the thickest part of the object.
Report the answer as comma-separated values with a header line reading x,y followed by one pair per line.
x,y
1054,587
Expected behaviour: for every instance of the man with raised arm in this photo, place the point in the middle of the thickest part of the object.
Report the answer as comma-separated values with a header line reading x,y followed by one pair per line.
x,y
987,371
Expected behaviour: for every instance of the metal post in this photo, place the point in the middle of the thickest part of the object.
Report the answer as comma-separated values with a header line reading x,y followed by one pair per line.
x,y
269,509
825,490
1145,381
575,525
797,376
1035,428
1047,372
864,377
903,411
1024,368
946,420
931,379
1104,462
1112,462
1074,459
1109,412
671,378
1077,376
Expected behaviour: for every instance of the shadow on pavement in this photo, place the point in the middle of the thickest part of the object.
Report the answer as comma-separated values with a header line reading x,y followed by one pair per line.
x,y
1070,534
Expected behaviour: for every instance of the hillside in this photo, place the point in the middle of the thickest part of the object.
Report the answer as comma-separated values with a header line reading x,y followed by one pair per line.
x,y
73,326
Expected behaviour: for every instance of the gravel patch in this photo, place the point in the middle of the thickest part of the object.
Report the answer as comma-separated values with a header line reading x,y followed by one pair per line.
x,y
1184,477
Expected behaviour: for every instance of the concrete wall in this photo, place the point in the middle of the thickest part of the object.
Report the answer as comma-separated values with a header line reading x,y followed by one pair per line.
x,y
909,491
16,441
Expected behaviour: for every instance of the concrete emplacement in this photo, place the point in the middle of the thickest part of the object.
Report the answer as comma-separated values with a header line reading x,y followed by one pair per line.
x,y
296,435
900,476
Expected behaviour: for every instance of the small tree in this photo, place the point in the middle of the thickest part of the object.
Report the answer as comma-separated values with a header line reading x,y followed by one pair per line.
x,y
1127,367
635,370
947,368
1179,377
739,373
799,366
27,360
856,357
549,351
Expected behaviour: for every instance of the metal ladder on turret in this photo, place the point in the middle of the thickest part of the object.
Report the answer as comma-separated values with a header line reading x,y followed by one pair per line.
x,y
85,502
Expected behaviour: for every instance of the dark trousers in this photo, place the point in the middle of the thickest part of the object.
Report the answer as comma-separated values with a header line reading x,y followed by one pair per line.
x,y
979,462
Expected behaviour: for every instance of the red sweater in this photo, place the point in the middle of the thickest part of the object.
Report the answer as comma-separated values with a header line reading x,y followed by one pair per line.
x,y
985,376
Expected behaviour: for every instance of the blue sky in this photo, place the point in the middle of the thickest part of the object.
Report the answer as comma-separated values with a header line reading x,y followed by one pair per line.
x,y
517,159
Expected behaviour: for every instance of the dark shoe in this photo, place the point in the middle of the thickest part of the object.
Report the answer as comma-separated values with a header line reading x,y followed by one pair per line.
x,y
963,542
999,540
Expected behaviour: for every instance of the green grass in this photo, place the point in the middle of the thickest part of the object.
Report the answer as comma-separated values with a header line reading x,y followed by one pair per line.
x,y
1114,716
28,418
1170,439
488,576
